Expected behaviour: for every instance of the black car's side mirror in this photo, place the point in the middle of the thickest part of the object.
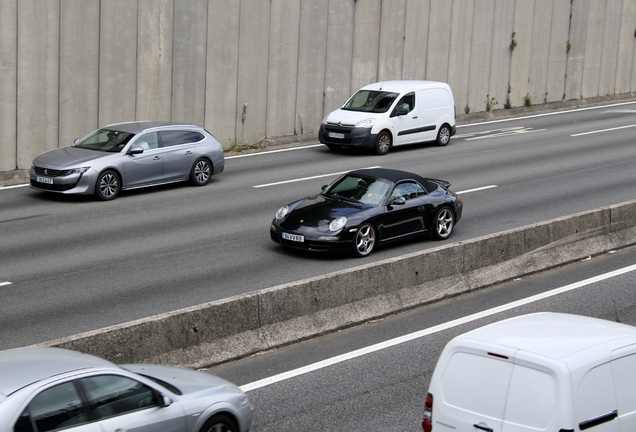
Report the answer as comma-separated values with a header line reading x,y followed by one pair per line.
x,y
323,187
398,201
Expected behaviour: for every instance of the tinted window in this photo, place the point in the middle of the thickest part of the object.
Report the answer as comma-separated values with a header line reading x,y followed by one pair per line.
x,y
55,408
111,395
192,137
171,138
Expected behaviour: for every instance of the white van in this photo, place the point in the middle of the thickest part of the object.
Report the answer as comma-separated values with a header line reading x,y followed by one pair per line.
x,y
538,372
390,113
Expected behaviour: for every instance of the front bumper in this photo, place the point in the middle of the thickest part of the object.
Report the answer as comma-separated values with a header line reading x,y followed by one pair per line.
x,y
352,136
64,184
309,243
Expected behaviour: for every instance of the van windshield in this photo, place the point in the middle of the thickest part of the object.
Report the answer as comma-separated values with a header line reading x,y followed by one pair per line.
x,y
371,101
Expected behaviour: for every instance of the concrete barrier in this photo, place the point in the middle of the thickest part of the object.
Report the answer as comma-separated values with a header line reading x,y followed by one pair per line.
x,y
242,325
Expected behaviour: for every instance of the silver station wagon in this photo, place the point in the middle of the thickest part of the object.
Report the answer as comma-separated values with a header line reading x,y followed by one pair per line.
x,y
128,156
48,389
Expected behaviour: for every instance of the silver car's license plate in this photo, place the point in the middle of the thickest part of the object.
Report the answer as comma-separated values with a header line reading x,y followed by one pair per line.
x,y
46,180
336,135
294,237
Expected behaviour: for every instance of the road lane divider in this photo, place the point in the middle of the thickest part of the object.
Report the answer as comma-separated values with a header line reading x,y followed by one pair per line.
x,y
239,326
308,178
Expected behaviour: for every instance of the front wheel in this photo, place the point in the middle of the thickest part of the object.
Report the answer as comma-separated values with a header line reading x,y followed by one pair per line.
x,y
444,223
364,240
444,135
201,172
107,186
383,143
219,423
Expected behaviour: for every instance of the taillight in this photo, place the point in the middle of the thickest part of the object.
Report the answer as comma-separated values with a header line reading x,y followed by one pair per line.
x,y
427,421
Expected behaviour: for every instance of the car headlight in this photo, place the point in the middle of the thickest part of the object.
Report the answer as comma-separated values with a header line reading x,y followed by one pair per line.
x,y
337,224
75,171
324,121
282,212
366,123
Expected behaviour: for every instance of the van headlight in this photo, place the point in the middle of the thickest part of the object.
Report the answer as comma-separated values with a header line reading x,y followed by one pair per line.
x,y
324,121
337,224
366,123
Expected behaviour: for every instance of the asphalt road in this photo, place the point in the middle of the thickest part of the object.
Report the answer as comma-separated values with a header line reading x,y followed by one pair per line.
x,y
374,377
71,264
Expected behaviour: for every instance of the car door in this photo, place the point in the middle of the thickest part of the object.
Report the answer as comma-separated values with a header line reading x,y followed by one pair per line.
x,y
405,212
124,404
406,125
144,168
179,151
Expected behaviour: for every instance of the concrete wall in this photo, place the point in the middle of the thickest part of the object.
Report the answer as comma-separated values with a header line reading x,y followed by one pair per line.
x,y
239,326
266,69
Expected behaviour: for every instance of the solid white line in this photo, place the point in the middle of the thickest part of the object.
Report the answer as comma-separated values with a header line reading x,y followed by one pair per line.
x,y
272,151
14,186
477,189
307,178
5,283
435,329
603,130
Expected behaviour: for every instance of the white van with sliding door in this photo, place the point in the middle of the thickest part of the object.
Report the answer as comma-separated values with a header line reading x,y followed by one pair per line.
x,y
538,372
390,113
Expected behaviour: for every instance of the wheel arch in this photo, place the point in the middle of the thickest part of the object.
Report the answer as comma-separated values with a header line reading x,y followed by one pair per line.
x,y
116,171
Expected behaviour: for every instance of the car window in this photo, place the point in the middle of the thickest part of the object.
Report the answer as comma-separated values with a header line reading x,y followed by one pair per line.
x,y
407,191
148,141
192,136
371,101
173,137
407,101
111,395
107,140
55,408
353,188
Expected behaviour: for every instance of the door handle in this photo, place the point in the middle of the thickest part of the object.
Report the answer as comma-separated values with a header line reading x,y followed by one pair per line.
x,y
188,153
414,117
483,426
156,158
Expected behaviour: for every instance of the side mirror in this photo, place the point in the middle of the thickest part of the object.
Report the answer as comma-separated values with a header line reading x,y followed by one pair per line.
x,y
402,111
324,187
164,401
135,150
398,201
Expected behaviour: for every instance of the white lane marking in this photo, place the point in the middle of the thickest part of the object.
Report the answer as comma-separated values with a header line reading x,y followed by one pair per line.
x,y
477,189
273,151
603,130
14,186
5,283
308,178
498,133
431,330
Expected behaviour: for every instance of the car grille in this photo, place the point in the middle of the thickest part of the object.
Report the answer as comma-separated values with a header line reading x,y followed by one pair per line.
x,y
52,187
332,127
47,172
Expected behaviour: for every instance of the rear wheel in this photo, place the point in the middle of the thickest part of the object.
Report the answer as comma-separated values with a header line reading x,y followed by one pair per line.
x,y
383,143
219,423
107,186
444,223
201,172
364,240
444,135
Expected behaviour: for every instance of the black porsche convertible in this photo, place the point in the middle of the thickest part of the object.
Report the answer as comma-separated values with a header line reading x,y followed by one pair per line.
x,y
364,208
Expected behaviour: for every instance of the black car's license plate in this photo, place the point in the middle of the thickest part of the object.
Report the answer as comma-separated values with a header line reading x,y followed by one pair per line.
x,y
293,237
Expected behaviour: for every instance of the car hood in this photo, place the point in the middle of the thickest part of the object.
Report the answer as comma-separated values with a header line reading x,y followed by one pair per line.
x,y
68,157
347,117
189,382
318,211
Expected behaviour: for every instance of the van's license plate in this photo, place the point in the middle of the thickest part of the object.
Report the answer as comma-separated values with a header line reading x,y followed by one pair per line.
x,y
294,237
336,135
44,180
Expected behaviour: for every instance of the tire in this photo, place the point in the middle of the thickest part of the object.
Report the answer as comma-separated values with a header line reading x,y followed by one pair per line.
x,y
201,172
444,223
107,186
364,240
383,143
220,423
444,135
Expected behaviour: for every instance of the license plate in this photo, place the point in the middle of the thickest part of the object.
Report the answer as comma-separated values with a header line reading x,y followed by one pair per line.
x,y
46,180
336,135
294,237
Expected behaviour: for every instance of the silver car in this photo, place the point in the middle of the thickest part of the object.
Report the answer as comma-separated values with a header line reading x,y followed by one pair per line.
x,y
128,156
48,389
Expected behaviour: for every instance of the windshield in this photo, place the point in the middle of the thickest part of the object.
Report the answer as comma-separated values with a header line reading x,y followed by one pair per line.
x,y
365,190
373,101
106,140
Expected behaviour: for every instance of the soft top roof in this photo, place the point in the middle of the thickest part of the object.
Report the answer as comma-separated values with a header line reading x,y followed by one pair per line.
x,y
395,176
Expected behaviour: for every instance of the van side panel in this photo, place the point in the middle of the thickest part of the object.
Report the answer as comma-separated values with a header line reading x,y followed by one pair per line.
x,y
624,370
436,108
596,401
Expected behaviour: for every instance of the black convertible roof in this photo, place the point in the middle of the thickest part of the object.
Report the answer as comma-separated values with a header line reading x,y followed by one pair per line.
x,y
396,176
